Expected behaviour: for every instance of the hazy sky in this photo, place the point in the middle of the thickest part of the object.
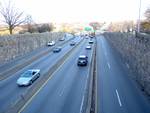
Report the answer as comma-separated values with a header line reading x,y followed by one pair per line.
x,y
81,10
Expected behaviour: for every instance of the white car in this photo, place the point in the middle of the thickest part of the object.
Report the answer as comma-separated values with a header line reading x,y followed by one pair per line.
x,y
28,77
51,43
88,47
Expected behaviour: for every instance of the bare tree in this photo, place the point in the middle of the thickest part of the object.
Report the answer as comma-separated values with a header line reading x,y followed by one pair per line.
x,y
12,17
29,22
147,14
45,28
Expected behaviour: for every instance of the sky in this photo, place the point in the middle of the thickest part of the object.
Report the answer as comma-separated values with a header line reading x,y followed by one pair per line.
x,y
81,10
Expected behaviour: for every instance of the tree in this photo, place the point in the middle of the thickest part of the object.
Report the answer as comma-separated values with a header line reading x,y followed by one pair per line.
x,y
96,25
145,25
29,22
45,28
12,17
147,14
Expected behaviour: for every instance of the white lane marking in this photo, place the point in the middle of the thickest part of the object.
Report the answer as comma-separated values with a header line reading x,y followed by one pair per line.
x,y
118,98
82,104
62,91
108,65
127,65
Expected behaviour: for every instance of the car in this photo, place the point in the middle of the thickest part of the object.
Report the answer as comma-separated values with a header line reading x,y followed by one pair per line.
x,y
91,42
51,43
72,43
92,36
28,77
88,47
62,39
86,37
82,60
57,49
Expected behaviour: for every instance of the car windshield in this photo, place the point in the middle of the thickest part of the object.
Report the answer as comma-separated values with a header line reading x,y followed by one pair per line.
x,y
27,74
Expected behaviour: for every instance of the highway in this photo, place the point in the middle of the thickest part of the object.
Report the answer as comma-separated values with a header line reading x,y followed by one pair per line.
x,y
6,69
65,90
8,87
117,93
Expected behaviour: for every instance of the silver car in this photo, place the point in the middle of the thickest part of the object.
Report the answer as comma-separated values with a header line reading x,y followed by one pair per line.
x,y
28,77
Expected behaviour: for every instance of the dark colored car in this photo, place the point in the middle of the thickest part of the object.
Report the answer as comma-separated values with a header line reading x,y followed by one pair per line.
x,y
72,43
91,42
62,39
57,49
82,60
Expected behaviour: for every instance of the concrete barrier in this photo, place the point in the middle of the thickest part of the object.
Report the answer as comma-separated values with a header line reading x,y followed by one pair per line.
x,y
91,96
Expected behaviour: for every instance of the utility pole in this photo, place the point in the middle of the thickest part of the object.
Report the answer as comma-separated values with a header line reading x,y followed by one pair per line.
x,y
139,19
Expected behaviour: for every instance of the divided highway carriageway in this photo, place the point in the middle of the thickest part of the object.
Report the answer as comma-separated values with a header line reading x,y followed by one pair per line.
x,y
101,86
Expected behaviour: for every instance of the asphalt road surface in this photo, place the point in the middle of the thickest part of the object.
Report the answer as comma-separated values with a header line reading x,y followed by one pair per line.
x,y
26,57
117,93
64,92
10,92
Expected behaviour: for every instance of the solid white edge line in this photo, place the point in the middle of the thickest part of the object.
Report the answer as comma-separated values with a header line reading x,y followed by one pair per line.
x,y
118,98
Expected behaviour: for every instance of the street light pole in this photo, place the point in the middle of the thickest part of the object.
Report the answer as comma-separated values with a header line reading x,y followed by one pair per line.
x,y
139,19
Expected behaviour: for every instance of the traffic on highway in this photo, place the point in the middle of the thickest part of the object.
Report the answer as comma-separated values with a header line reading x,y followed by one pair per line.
x,y
74,56
60,80
26,78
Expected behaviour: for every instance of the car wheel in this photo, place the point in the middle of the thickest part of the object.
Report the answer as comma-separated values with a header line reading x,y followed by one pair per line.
x,y
30,82
38,75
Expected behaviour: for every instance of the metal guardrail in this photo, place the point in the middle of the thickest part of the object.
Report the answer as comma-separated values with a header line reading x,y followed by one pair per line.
x,y
19,103
14,69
